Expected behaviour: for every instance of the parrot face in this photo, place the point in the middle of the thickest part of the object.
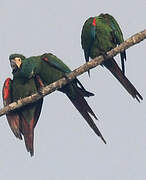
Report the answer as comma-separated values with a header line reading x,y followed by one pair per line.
x,y
16,61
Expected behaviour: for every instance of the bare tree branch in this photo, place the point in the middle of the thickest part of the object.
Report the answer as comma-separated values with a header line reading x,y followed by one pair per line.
x,y
137,38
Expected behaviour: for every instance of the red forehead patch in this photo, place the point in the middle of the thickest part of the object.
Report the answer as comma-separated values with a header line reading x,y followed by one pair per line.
x,y
6,88
94,22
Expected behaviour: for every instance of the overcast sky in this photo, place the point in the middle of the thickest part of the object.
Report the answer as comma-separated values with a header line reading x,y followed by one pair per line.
x,y
65,147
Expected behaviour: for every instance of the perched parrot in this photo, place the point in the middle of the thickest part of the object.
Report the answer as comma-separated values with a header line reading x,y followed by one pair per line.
x,y
49,68
23,120
99,35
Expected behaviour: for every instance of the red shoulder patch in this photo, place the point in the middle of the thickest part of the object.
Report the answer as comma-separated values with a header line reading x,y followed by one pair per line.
x,y
94,22
6,90
45,59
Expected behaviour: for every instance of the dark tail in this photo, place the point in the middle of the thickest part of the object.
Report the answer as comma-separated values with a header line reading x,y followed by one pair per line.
x,y
123,59
82,106
113,67
28,133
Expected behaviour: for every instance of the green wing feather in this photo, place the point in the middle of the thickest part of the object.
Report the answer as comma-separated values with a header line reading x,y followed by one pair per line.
x,y
116,34
22,121
55,62
30,113
12,117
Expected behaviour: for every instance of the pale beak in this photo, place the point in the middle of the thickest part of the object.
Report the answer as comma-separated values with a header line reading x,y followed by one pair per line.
x,y
13,64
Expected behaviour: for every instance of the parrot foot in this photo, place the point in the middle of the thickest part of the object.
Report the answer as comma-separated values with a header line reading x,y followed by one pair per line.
x,y
39,84
66,77
40,92
104,54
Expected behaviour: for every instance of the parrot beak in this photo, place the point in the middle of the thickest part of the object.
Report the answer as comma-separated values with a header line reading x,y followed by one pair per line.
x,y
13,64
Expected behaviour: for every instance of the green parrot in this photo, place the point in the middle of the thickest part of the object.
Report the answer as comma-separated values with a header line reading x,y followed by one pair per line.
x,y
99,35
49,68
23,120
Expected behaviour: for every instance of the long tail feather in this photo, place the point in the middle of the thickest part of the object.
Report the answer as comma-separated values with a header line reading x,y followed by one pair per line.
x,y
123,59
27,128
28,133
113,67
82,106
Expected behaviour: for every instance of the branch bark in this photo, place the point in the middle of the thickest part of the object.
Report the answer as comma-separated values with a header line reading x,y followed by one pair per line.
x,y
137,38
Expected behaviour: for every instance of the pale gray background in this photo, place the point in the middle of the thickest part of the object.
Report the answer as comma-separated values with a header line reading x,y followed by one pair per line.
x,y
65,147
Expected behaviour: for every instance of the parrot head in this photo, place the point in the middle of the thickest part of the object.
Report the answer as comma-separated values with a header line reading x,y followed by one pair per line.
x,y
16,61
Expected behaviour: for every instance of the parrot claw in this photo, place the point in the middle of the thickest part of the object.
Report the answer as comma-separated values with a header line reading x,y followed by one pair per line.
x,y
39,84
104,54
66,77
40,92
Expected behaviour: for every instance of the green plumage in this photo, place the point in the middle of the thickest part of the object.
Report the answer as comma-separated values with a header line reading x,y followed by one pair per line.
x,y
50,69
107,35
23,120
116,34
101,34
21,89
